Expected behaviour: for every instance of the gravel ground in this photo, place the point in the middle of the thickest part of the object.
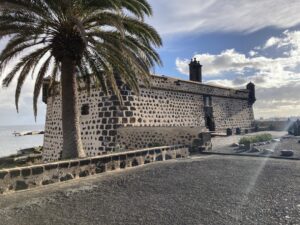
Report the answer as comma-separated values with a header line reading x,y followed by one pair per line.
x,y
201,190
223,144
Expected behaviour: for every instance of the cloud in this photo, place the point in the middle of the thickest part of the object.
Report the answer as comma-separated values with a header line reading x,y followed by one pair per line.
x,y
281,101
266,71
8,113
214,65
271,42
180,16
277,78
253,53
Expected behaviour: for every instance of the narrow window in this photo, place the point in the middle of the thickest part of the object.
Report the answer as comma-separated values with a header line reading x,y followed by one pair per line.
x,y
207,101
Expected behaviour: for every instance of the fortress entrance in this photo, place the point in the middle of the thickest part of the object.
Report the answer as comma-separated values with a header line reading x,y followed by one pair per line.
x,y
208,111
209,123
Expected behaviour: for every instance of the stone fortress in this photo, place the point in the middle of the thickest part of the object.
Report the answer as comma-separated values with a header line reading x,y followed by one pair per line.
x,y
168,112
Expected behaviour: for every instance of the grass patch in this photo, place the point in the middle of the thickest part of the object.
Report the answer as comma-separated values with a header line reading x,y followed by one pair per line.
x,y
256,138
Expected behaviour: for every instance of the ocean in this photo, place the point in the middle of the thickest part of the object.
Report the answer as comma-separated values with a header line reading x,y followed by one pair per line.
x,y
9,144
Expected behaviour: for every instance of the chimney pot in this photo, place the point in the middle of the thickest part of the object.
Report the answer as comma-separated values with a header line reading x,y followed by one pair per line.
x,y
195,70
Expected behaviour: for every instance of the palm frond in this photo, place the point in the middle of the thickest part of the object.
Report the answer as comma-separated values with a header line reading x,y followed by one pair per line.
x,y
101,37
38,84
138,7
29,59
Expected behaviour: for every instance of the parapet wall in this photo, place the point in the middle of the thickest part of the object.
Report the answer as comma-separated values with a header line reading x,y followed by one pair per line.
x,y
40,175
168,83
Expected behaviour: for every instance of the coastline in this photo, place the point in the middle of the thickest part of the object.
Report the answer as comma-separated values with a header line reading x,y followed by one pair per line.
x,y
11,144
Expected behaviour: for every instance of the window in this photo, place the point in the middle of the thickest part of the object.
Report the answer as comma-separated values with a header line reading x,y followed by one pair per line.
x,y
85,109
207,101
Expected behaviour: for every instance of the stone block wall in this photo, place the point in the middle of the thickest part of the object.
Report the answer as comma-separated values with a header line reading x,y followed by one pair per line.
x,y
167,108
167,103
131,138
40,175
232,113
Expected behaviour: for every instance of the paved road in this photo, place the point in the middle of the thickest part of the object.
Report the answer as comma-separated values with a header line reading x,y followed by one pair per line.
x,y
204,190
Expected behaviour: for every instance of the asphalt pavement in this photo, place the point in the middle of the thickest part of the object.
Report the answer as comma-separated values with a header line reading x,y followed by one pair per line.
x,y
200,190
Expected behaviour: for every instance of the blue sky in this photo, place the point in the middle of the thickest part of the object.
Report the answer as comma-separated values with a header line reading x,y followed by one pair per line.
x,y
188,45
237,41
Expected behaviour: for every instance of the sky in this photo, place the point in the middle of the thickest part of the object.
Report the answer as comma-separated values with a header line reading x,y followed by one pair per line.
x,y
236,41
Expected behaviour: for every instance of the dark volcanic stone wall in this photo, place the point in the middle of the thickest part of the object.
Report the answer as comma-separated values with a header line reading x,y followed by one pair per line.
x,y
167,108
28,177
130,138
232,113
98,127
167,103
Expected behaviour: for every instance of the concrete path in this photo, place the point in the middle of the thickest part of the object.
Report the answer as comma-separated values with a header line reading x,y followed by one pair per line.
x,y
201,190
220,142
224,144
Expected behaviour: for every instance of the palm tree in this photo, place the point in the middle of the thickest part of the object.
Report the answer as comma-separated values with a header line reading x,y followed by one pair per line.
x,y
76,38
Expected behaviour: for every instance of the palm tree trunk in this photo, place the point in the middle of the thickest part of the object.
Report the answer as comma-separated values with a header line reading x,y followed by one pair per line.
x,y
72,144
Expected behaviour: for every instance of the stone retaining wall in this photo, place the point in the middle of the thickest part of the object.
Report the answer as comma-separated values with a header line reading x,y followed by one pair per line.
x,y
39,175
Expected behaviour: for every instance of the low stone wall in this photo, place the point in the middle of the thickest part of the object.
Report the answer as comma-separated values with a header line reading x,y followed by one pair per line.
x,y
144,137
38,175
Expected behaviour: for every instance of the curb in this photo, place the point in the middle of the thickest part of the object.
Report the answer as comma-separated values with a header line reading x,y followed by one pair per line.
x,y
248,155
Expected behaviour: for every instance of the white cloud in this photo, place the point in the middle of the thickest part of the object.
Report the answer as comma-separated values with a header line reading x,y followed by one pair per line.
x,y
281,101
253,53
180,16
271,42
8,113
277,79
214,65
267,71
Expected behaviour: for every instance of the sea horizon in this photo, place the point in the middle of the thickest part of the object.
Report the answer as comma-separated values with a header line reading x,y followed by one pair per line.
x,y
10,144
